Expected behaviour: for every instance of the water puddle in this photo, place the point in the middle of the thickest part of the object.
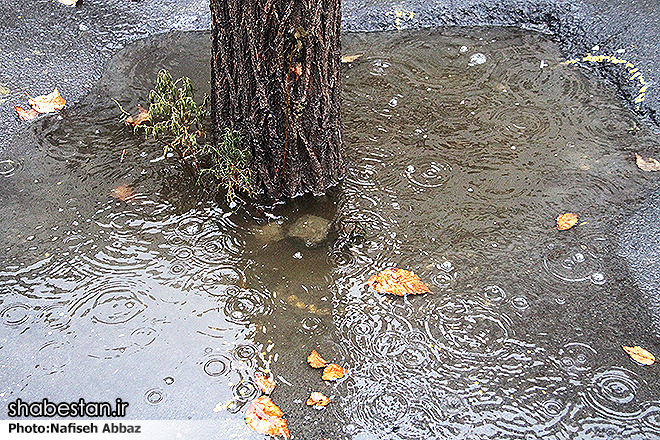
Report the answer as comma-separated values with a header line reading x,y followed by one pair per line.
x,y
463,146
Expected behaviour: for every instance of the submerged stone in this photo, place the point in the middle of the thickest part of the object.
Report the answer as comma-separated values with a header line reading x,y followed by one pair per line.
x,y
311,229
269,233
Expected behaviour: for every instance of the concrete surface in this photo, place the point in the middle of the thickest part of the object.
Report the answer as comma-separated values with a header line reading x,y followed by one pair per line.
x,y
46,44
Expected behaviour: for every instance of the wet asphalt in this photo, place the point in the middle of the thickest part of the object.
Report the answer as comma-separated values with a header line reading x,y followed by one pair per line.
x,y
46,44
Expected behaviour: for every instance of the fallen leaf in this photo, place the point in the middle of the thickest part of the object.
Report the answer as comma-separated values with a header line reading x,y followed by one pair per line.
x,y
649,164
47,103
350,58
317,399
639,354
398,282
68,2
26,115
123,192
333,372
266,418
297,69
265,384
566,221
315,360
141,117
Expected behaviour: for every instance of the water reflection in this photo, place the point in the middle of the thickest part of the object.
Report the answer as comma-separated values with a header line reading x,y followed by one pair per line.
x,y
463,150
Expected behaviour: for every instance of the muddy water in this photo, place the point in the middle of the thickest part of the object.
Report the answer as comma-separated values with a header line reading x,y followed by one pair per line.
x,y
463,146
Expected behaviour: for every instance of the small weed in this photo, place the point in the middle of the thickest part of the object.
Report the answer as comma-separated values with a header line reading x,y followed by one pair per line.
x,y
178,121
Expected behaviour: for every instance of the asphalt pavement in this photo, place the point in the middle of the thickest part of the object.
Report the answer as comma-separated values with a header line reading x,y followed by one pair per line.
x,y
46,44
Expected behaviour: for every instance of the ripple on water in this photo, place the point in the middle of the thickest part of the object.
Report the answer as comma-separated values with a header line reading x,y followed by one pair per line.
x,y
468,331
576,358
16,315
612,394
216,365
112,300
54,357
242,305
143,336
573,262
57,315
155,396
8,167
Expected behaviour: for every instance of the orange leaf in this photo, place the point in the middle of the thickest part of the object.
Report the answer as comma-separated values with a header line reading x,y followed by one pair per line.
x,y
333,372
398,282
639,354
48,103
26,115
297,69
265,384
649,164
266,418
350,58
315,360
141,117
123,192
317,399
566,221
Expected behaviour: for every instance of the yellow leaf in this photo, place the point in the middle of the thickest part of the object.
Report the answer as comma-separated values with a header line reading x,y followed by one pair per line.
x,y
266,418
649,164
317,399
566,221
141,117
315,360
350,58
26,115
265,384
47,103
639,354
123,192
398,282
333,372
68,2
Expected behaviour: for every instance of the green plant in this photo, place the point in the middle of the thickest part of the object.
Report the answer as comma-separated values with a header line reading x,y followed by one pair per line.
x,y
178,121
230,164
176,117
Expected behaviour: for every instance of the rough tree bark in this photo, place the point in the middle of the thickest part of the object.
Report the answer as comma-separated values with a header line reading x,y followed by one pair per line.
x,y
275,79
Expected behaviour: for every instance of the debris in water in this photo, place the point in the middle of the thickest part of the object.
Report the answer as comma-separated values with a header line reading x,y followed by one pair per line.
x,y
315,360
398,282
566,221
333,372
265,383
266,418
476,59
639,354
649,164
318,400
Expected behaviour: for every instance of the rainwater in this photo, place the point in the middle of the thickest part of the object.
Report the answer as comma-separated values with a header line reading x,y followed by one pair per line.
x,y
463,147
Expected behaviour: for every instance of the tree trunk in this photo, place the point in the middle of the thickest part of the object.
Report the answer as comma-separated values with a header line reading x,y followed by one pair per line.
x,y
275,79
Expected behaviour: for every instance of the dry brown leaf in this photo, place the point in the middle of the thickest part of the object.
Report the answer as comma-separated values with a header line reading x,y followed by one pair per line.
x,y
398,282
265,384
333,372
266,418
649,164
315,360
47,103
639,354
26,115
317,399
141,117
350,58
566,221
297,69
123,192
